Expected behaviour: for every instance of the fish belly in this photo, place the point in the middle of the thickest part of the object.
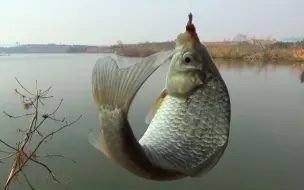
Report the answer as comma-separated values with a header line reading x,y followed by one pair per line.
x,y
190,135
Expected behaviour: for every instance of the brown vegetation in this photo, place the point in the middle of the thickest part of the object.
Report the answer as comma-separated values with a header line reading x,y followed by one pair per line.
x,y
239,48
251,52
141,49
232,51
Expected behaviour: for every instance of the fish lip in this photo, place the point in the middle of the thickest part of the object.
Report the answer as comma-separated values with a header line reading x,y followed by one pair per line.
x,y
188,68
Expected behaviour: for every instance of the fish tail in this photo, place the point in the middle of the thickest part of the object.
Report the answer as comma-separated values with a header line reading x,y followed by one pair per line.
x,y
115,82
115,85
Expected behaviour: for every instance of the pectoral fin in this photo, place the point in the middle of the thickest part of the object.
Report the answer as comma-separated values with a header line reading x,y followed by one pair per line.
x,y
156,105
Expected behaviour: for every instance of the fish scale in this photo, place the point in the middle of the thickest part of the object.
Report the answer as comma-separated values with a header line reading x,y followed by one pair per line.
x,y
197,127
189,121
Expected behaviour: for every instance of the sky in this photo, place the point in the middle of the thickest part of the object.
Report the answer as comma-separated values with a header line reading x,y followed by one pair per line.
x,y
104,22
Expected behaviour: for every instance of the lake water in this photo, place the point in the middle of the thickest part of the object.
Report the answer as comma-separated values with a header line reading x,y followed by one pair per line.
x,y
266,149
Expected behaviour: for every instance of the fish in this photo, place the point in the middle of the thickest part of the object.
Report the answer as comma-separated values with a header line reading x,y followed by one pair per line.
x,y
189,122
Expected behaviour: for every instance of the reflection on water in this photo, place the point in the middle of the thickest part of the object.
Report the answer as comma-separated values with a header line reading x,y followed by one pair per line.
x,y
259,67
265,150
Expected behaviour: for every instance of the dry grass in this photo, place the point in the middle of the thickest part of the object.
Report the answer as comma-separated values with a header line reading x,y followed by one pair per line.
x,y
224,50
138,51
250,52
142,50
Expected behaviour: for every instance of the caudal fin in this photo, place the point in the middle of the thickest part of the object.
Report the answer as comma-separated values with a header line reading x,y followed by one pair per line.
x,y
115,80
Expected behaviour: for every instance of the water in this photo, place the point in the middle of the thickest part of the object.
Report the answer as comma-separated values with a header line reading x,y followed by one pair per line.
x,y
267,128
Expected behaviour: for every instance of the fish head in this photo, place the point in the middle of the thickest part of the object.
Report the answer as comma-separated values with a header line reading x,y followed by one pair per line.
x,y
186,57
190,65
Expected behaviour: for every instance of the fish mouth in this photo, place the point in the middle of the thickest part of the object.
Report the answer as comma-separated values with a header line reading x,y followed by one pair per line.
x,y
189,68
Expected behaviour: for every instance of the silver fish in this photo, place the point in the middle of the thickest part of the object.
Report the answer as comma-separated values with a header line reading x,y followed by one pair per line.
x,y
189,122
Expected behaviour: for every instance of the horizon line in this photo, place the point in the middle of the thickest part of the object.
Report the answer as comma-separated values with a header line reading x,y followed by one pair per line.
x,y
291,38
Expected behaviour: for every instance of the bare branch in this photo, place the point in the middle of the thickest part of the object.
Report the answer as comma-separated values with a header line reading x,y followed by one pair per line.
x,y
24,87
47,168
27,180
56,108
5,152
6,144
11,116
5,157
59,120
20,152
59,156
56,131
44,93
37,147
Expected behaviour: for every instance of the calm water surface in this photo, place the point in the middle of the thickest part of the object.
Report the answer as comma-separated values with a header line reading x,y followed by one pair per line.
x,y
267,129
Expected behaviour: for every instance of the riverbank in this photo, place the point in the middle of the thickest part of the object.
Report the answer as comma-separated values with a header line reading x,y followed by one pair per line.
x,y
273,52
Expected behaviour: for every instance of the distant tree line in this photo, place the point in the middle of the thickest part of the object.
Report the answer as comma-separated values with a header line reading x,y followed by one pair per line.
x,y
46,48
283,45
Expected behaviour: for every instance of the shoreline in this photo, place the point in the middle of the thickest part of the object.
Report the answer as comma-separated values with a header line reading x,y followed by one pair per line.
x,y
246,51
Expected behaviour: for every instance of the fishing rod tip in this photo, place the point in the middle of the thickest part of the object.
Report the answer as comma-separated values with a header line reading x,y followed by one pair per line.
x,y
190,17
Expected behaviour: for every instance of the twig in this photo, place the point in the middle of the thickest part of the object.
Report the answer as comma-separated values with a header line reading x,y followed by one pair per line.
x,y
8,156
22,155
27,180
56,108
38,145
2,151
59,156
23,87
15,117
6,144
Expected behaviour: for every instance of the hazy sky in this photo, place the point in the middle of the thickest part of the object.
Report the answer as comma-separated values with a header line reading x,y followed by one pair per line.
x,y
106,21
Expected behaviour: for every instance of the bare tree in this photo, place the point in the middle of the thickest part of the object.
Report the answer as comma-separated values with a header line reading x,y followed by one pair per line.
x,y
33,101
241,38
119,43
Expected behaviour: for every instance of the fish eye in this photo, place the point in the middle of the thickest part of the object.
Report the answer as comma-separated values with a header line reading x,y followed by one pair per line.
x,y
187,58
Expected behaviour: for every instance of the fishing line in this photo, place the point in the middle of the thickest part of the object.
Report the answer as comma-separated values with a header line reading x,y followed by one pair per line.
x,y
190,6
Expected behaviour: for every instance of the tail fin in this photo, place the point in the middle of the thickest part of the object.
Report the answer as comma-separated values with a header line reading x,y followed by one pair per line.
x,y
115,80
